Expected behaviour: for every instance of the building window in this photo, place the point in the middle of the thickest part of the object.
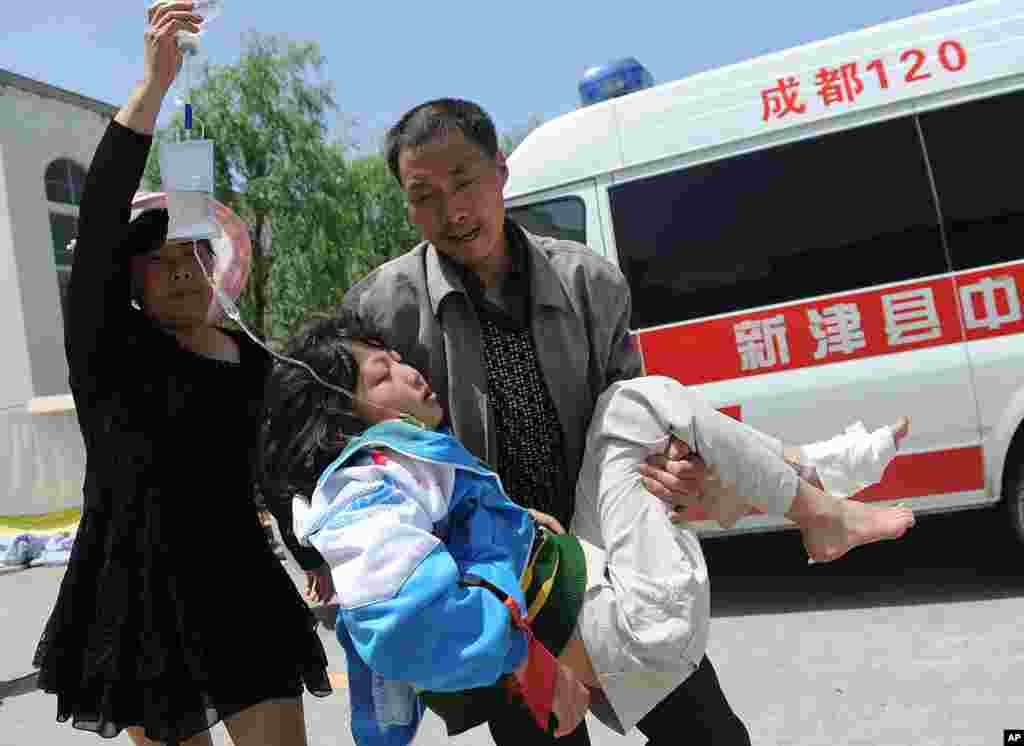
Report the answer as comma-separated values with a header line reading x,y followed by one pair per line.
x,y
63,229
65,180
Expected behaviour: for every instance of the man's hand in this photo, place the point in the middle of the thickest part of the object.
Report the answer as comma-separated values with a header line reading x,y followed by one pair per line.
x,y
320,584
547,521
675,477
570,703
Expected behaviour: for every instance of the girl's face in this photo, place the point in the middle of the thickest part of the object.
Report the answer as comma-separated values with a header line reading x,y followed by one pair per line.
x,y
174,291
388,388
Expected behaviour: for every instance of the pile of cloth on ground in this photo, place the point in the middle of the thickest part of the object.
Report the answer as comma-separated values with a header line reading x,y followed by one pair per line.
x,y
29,549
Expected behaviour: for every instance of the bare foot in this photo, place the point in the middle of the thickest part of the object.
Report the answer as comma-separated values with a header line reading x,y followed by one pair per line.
x,y
900,430
852,524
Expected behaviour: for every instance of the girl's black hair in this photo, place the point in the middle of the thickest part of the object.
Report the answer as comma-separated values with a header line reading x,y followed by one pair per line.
x,y
307,423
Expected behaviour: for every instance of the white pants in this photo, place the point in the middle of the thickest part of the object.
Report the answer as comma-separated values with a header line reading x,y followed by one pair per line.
x,y
635,419
745,466
646,611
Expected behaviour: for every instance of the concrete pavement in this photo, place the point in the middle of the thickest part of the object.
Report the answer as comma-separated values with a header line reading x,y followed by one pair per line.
x,y
916,642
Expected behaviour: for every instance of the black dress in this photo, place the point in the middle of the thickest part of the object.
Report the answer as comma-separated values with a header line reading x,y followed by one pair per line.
x,y
173,613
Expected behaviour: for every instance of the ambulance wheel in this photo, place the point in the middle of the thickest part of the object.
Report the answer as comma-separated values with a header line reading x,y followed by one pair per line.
x,y
1013,495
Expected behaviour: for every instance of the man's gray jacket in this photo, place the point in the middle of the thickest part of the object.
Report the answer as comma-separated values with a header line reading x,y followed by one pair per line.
x,y
579,315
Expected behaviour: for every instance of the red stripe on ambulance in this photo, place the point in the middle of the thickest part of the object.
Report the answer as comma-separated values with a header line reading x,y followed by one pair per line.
x,y
931,473
850,326
990,301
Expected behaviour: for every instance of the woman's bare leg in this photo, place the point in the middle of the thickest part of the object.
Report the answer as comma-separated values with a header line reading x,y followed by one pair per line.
x,y
279,722
139,738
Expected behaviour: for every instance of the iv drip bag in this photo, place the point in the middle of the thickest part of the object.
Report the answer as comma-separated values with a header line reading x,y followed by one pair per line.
x,y
186,170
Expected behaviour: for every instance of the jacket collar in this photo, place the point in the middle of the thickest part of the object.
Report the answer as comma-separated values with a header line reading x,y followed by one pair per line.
x,y
444,276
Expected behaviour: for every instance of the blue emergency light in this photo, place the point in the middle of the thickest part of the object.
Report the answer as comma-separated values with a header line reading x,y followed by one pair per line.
x,y
613,79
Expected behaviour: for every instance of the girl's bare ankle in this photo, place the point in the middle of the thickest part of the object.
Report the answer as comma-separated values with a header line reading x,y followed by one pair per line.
x,y
812,506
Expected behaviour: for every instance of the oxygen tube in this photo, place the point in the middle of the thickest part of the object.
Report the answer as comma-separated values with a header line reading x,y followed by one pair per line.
x,y
230,309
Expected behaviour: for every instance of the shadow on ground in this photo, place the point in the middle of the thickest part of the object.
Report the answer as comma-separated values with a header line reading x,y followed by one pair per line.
x,y
959,557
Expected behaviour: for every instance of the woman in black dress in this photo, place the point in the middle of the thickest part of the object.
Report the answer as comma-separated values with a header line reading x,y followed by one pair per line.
x,y
174,613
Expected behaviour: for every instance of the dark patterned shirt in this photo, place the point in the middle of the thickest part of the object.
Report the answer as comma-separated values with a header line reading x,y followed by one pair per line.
x,y
531,457
530,453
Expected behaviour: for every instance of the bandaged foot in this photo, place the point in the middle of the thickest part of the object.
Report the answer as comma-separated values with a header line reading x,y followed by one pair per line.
x,y
847,463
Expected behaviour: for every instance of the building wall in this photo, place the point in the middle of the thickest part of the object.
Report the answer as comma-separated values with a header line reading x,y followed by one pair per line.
x,y
42,456
35,129
15,377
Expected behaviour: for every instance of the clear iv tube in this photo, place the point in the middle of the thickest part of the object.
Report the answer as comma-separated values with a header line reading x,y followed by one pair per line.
x,y
187,72
235,315
188,44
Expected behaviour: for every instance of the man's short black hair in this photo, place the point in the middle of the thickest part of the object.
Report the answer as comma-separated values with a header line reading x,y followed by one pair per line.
x,y
435,119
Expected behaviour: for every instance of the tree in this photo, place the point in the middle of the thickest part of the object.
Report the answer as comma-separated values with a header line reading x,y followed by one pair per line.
x,y
373,228
385,231
274,165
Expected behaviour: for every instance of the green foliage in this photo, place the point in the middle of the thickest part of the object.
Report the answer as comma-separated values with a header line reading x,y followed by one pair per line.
x,y
386,231
373,228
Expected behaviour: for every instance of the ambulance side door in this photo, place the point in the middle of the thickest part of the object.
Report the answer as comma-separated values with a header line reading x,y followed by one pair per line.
x,y
975,153
805,286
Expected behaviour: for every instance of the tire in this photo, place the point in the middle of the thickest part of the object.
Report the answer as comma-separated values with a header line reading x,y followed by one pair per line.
x,y
1013,495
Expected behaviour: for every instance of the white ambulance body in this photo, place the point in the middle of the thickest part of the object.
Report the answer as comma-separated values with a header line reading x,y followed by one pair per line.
x,y
828,234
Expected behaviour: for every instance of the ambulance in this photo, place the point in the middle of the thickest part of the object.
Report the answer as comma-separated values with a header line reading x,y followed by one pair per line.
x,y
826,235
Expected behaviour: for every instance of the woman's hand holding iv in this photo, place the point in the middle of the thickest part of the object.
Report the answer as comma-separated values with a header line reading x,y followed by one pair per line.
x,y
163,57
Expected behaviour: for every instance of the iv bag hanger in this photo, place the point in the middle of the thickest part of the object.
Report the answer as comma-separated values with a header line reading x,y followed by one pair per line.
x,y
184,99
186,164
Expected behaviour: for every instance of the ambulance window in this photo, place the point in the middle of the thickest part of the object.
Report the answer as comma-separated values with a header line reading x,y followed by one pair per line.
x,y
978,162
845,211
564,218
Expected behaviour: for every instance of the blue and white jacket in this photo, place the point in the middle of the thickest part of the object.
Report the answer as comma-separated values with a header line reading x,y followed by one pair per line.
x,y
401,516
